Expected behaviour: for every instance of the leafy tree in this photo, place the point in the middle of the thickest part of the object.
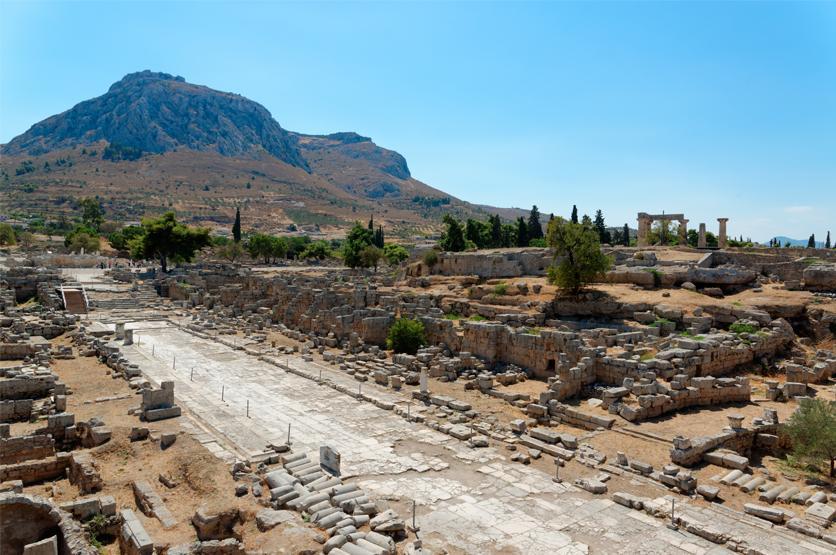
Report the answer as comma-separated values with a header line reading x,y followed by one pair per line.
x,y
453,237
82,237
267,247
296,245
406,336
477,232
92,213
358,238
541,242
812,428
509,235
535,230
811,242
236,227
574,214
121,240
827,241
370,257
522,232
7,235
395,254
578,255
496,232
318,249
168,241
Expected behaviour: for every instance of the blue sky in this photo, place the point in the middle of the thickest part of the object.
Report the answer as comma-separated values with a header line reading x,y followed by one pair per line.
x,y
712,109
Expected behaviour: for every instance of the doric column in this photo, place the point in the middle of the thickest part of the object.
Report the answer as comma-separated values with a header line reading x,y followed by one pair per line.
x,y
723,239
683,231
701,238
644,227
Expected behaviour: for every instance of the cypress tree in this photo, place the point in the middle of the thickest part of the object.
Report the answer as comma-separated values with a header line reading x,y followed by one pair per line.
x,y
811,242
378,237
574,214
236,227
371,223
497,235
626,237
522,232
535,230
827,241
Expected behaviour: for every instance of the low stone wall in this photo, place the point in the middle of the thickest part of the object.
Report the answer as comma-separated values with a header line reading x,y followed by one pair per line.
x,y
33,472
16,411
24,448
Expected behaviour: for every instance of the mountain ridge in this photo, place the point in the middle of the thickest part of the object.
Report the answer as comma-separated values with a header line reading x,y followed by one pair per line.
x,y
154,141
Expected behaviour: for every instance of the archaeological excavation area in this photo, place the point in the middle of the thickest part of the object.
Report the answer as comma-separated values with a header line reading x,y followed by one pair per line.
x,y
227,409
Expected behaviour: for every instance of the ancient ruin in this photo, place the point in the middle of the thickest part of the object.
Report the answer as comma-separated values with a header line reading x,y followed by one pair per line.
x,y
526,418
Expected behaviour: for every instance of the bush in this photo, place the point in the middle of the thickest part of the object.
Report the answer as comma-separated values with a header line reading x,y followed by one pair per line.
x,y
395,254
406,336
500,289
7,235
430,258
742,327
812,429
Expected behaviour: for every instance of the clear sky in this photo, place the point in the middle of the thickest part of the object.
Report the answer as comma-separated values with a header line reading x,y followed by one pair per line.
x,y
712,109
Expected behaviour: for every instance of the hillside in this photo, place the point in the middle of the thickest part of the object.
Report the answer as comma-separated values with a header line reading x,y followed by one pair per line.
x,y
154,142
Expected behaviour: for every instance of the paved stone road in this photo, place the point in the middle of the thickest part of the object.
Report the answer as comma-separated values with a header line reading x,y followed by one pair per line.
x,y
470,501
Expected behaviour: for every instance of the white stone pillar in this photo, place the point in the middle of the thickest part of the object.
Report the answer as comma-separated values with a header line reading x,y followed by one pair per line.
x,y
701,239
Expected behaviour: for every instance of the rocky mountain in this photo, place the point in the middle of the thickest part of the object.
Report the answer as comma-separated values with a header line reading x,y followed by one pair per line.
x,y
156,113
154,142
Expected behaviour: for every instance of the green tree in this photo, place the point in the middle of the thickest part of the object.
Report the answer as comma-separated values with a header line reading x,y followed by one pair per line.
x,y
522,232
167,240
26,239
121,239
267,247
477,232
7,235
601,228
82,237
236,227
578,256
395,254
827,241
370,257
452,239
811,242
406,336
812,428
496,232
378,239
625,236
92,213
535,229
574,214
358,238
318,249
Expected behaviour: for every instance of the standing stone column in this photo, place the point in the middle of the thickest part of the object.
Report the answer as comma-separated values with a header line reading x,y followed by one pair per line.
x,y
723,240
644,228
422,380
701,237
120,330
129,337
683,231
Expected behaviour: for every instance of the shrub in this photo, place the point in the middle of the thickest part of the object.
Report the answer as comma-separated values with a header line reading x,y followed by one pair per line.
x,y
406,336
431,258
500,289
743,327
812,429
7,235
477,318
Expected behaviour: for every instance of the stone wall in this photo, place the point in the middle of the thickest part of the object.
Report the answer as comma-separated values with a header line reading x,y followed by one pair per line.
x,y
24,448
498,263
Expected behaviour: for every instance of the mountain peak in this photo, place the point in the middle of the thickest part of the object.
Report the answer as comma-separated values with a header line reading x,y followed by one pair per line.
x,y
156,112
145,77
